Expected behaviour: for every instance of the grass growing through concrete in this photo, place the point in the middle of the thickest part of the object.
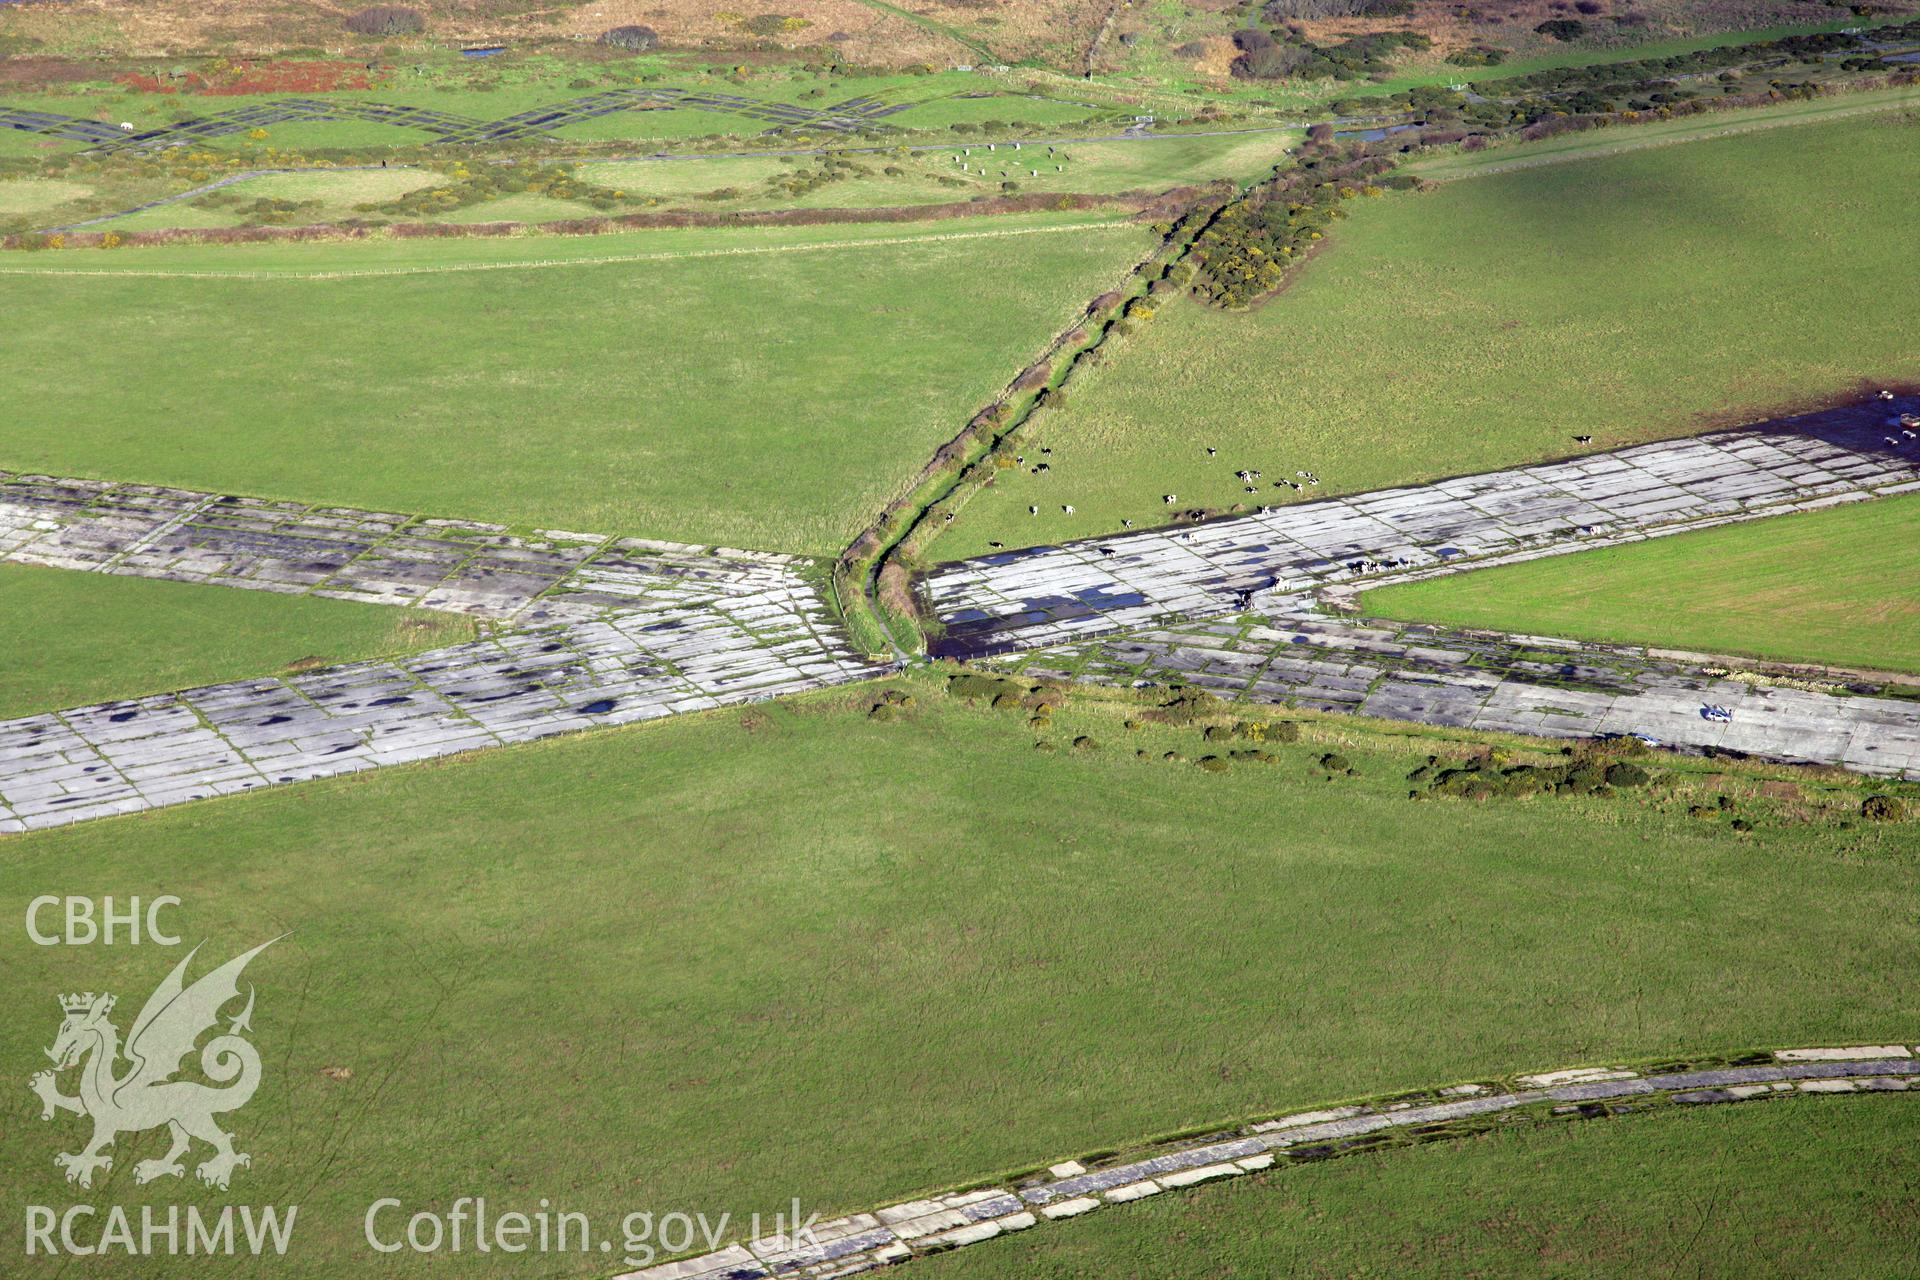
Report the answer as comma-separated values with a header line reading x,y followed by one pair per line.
x,y
1147,164
68,639
704,184
1840,587
1809,1187
630,970
765,388
1488,323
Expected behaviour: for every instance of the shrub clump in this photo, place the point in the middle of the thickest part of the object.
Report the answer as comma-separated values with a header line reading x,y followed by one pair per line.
x,y
633,37
386,20
1189,705
971,687
1485,779
1213,764
1882,809
1627,775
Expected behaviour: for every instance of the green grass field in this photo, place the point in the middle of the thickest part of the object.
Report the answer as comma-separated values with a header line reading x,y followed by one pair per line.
x,y
1487,323
37,195
713,963
1840,587
68,639
1789,1190
767,388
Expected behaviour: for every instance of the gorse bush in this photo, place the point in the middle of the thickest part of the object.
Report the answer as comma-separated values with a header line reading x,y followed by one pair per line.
x,y
461,188
1246,251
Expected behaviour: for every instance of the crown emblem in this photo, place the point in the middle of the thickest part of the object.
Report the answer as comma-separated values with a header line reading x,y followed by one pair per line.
x,y
78,1003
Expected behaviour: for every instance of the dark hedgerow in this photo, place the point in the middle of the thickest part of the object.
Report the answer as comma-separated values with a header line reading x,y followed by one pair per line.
x,y
386,20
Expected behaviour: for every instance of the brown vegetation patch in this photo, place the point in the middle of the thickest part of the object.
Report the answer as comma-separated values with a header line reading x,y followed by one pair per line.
x,y
896,590
33,73
1216,58
244,77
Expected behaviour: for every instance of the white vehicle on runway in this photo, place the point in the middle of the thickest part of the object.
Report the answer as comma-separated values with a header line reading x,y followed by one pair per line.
x,y
1720,715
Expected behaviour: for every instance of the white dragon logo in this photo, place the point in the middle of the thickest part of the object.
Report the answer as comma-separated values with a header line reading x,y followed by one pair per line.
x,y
173,1018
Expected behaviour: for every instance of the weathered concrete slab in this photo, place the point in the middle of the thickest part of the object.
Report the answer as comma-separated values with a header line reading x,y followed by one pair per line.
x,y
1124,610
1298,657
1029,599
1070,1190
606,632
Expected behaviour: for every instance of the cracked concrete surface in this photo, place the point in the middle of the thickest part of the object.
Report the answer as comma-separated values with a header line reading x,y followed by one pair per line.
x,y
605,631
611,631
1056,595
939,1223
